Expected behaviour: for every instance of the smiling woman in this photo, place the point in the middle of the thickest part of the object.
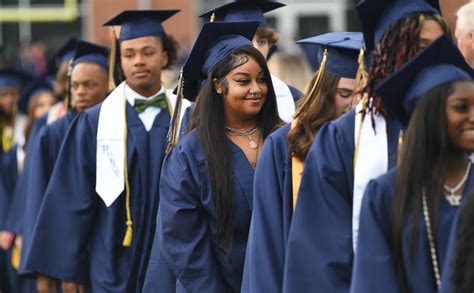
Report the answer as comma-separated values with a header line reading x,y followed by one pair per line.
x,y
403,252
207,180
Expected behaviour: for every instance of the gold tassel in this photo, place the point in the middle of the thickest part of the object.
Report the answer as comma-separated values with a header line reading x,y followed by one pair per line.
x,y
400,145
15,259
127,240
213,17
67,99
365,98
112,57
175,123
360,78
310,97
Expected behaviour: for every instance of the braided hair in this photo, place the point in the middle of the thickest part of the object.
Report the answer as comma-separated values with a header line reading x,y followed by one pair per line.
x,y
389,56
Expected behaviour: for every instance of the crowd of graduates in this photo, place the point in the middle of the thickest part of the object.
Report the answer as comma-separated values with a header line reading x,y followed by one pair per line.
x,y
235,181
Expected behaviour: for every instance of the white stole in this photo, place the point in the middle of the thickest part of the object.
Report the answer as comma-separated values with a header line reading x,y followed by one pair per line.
x,y
110,161
284,98
370,159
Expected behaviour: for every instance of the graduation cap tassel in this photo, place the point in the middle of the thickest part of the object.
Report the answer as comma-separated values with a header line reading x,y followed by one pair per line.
x,y
360,78
127,240
400,144
112,59
173,132
315,89
67,99
213,17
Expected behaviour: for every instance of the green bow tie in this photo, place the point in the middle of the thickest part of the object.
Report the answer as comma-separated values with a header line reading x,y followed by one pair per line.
x,y
158,101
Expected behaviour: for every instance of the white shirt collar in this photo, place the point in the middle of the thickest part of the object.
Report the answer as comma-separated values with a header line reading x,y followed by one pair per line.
x,y
132,95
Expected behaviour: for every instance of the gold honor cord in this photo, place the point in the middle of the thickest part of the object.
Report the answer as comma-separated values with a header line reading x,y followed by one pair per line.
x,y
173,132
112,57
7,138
67,98
360,78
362,115
127,240
311,97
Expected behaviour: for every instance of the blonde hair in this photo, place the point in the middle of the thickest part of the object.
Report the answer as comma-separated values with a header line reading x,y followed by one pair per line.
x,y
465,14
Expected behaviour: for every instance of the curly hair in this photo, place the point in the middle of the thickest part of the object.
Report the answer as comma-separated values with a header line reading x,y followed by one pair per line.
x,y
268,33
389,55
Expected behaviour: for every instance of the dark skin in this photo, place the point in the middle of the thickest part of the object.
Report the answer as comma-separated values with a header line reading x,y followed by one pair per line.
x,y
460,130
142,60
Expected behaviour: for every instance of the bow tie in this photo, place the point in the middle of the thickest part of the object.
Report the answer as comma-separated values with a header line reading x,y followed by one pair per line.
x,y
158,101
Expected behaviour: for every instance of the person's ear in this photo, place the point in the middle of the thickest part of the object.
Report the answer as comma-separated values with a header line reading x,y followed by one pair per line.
x,y
218,86
164,59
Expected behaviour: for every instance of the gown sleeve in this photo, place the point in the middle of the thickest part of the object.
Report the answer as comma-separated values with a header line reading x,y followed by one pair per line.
x,y
41,158
264,260
60,237
183,225
373,265
319,249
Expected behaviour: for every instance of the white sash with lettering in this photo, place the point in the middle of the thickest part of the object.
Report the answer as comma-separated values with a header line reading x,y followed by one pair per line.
x,y
110,162
371,160
110,181
285,101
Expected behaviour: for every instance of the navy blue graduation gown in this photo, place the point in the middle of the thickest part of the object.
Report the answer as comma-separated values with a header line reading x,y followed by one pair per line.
x,y
14,216
271,216
373,266
75,228
8,180
319,250
186,223
10,213
42,155
447,282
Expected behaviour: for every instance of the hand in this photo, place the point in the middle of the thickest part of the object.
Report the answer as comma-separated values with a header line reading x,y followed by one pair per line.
x,y
70,287
6,239
44,284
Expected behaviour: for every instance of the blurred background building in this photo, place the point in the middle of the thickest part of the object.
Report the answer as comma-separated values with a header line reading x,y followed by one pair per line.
x,y
31,29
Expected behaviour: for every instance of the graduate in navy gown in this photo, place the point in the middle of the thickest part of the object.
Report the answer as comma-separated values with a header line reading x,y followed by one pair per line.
x,y
105,180
89,86
323,231
36,100
278,173
40,97
264,40
207,179
407,214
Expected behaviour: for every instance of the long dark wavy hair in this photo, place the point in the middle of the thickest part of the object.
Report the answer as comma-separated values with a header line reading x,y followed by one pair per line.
x,y
422,168
399,43
463,273
209,120
320,111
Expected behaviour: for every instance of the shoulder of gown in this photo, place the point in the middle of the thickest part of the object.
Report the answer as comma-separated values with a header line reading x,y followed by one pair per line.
x,y
271,214
373,265
319,249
